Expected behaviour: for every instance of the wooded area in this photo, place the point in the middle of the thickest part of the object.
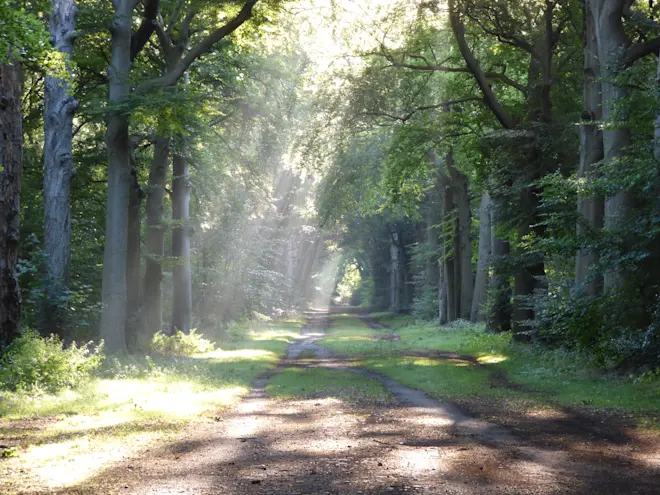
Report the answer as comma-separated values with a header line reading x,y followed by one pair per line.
x,y
170,165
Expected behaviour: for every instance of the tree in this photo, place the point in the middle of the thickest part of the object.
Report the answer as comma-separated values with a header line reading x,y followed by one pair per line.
x,y
59,109
11,154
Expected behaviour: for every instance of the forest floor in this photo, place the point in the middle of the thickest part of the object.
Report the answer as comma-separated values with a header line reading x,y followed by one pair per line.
x,y
331,419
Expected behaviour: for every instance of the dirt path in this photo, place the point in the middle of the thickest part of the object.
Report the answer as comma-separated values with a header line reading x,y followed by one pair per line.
x,y
324,446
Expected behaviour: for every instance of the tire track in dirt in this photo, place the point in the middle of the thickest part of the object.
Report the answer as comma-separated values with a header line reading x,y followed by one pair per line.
x,y
325,446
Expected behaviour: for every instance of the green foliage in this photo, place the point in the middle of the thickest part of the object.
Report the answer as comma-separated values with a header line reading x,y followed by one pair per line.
x,y
181,344
32,363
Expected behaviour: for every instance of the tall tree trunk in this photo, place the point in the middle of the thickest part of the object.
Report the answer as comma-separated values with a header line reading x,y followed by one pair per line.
x,y
113,317
448,240
590,208
395,273
612,43
463,237
483,260
153,277
499,290
134,323
59,108
182,273
11,168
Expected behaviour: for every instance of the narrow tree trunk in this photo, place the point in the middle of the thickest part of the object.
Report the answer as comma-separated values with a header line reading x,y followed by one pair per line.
x,y
11,168
590,208
448,240
182,273
134,324
153,277
499,291
443,317
113,318
463,238
59,108
483,260
395,273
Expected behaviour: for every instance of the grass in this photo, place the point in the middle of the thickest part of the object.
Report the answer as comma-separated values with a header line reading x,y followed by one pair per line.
x,y
312,383
541,376
131,403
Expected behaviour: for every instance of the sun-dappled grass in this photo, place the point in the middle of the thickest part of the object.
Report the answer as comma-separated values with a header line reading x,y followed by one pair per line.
x,y
130,403
496,367
320,382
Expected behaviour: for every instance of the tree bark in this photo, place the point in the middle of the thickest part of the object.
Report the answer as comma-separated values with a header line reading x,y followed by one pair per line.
x,y
463,239
182,273
448,240
395,273
612,43
499,291
11,169
113,318
483,260
59,108
153,277
134,322
590,208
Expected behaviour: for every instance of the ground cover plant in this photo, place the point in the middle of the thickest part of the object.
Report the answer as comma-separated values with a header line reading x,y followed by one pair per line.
x,y
465,364
129,403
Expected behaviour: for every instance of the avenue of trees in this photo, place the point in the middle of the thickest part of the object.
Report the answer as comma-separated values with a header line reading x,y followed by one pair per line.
x,y
177,164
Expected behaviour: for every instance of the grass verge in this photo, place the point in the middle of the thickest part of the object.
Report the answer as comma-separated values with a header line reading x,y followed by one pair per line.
x,y
314,383
130,404
495,369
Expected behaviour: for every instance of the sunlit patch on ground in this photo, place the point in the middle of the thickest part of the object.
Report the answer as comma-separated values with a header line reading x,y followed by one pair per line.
x,y
491,359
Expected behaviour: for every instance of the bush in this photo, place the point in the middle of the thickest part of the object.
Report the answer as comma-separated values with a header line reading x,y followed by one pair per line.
x,y
181,344
33,363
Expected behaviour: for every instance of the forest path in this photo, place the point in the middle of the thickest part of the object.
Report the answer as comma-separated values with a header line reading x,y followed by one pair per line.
x,y
414,444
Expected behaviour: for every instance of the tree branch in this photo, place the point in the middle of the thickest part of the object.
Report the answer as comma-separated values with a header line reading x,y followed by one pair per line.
x,y
404,118
640,50
204,46
443,68
473,65
147,26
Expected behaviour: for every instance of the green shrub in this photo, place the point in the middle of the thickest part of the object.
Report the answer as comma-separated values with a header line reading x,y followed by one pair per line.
x,y
33,363
181,344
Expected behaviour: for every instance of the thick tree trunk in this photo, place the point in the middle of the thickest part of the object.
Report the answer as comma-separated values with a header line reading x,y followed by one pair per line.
x,y
612,43
395,273
153,277
113,318
11,167
182,273
59,108
483,260
499,290
590,208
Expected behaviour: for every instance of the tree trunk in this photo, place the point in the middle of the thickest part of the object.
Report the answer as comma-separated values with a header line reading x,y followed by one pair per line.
x,y
153,277
113,318
463,238
443,317
182,273
448,240
612,43
499,290
11,165
59,108
134,323
483,260
590,208
395,273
